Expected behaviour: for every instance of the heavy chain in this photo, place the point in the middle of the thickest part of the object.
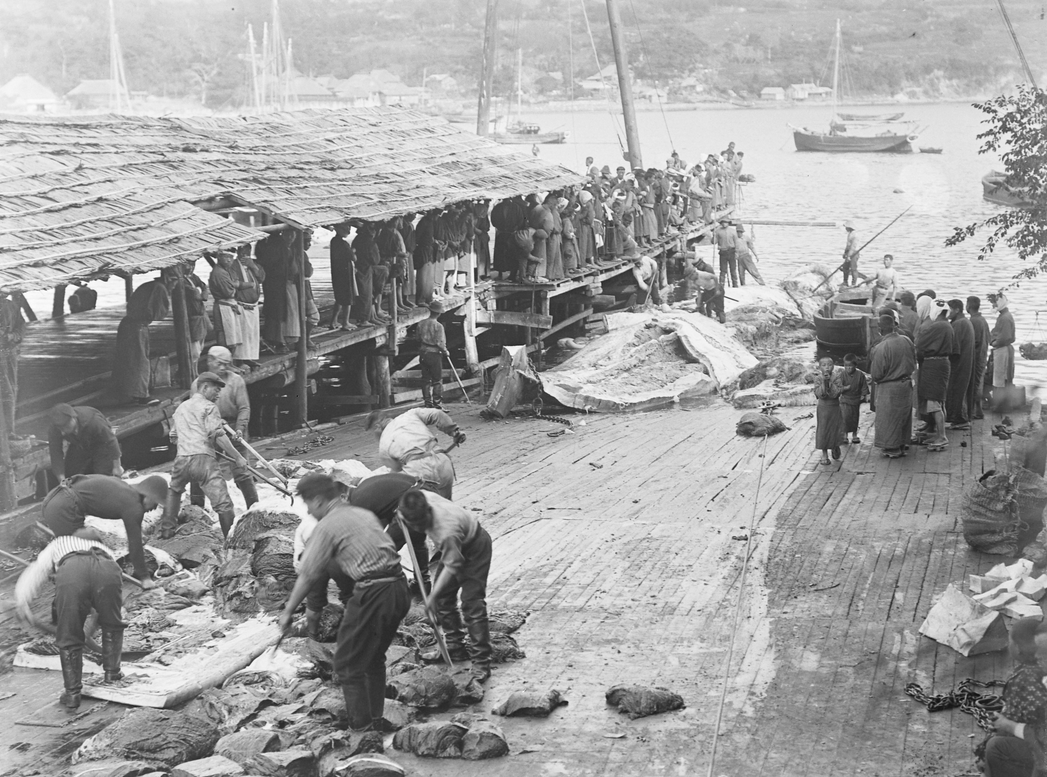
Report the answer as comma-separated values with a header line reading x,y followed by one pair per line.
x,y
316,442
982,706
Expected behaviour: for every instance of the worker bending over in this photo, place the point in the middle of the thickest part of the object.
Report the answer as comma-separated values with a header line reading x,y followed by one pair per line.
x,y
92,445
199,433
110,498
465,562
86,577
407,444
353,541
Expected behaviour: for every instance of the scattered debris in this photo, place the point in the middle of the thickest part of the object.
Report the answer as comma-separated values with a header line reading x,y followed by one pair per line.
x,y
310,445
530,704
637,701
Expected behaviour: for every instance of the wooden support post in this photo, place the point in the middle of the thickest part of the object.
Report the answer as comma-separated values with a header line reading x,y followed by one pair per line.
x,y
58,305
129,288
300,408
383,384
472,356
183,349
7,467
23,303
394,316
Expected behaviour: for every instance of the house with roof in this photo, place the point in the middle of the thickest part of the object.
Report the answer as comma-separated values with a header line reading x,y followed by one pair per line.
x,y
806,91
772,93
24,94
379,87
94,94
605,78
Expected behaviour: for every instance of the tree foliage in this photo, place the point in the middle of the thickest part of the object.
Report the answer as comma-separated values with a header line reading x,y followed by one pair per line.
x,y
1018,132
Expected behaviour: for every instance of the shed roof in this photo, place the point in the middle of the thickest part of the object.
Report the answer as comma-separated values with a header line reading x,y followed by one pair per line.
x,y
87,195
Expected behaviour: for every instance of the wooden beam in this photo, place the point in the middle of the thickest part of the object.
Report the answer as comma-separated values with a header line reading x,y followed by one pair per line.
x,y
514,318
346,399
300,408
566,323
382,384
58,304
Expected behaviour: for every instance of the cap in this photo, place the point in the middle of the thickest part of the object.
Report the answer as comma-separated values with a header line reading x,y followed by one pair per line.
x,y
61,413
154,487
887,321
220,354
725,220
848,224
436,306
210,377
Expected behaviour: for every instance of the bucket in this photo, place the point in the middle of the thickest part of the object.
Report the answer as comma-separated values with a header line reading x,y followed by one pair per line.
x,y
1008,398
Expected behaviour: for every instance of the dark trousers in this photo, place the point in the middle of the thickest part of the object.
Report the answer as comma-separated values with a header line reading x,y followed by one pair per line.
x,y
711,303
471,580
728,263
1008,757
316,599
432,376
976,391
84,581
368,627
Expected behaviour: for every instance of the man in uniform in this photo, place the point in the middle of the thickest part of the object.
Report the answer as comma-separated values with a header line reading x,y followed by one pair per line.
x,y
198,430
93,447
86,577
110,498
234,405
352,539
433,346
407,444
465,562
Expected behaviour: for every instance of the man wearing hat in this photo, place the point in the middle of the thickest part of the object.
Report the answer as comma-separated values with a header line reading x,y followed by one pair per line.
x,y
432,346
1001,340
850,254
234,405
93,447
198,430
892,362
726,238
645,273
110,498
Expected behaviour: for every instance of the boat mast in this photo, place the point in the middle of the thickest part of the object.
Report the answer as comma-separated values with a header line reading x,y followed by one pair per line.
x,y
519,86
1017,45
483,106
836,68
119,97
621,61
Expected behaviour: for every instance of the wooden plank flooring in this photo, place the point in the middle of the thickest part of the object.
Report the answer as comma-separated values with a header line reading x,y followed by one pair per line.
x,y
619,538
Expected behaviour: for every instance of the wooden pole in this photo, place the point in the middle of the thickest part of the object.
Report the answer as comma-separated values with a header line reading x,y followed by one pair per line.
x,y
58,305
621,60
472,356
383,383
300,412
183,351
129,288
483,107
7,469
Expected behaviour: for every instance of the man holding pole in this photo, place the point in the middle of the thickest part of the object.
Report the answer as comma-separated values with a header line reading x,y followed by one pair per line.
x,y
433,346
353,540
465,562
407,444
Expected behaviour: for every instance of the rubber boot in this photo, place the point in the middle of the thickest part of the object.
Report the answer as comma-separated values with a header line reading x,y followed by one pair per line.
x,y
357,705
169,520
72,677
246,485
312,623
437,391
112,649
427,394
226,519
480,649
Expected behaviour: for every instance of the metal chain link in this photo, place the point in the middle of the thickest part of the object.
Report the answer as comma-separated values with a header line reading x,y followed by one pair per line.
x,y
981,706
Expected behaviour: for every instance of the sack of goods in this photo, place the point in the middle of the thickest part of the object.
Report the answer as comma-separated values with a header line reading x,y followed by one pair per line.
x,y
990,514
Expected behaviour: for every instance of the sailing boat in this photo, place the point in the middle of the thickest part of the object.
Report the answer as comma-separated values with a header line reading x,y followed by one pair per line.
x,y
882,136
523,133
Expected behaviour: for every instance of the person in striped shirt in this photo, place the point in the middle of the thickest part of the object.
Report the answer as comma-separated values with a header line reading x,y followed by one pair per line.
x,y
86,576
353,540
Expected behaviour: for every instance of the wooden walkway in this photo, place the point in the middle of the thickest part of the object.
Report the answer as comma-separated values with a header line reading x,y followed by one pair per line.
x,y
624,539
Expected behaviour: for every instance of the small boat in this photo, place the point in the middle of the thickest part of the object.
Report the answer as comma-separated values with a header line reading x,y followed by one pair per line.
x,y
529,138
874,118
996,190
847,324
520,132
930,150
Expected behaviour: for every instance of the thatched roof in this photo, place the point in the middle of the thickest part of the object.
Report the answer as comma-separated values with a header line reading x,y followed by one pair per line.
x,y
85,195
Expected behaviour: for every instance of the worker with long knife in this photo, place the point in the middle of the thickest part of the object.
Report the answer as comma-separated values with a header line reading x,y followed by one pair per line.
x,y
407,444
850,254
465,562
353,541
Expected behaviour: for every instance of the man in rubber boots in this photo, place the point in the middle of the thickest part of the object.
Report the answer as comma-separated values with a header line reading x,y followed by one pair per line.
x,y
352,539
464,565
379,494
407,444
234,406
110,498
433,346
199,432
86,577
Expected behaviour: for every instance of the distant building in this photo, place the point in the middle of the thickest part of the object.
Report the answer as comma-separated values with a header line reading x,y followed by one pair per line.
x,y
94,94
442,83
607,78
307,92
379,87
808,92
773,93
24,94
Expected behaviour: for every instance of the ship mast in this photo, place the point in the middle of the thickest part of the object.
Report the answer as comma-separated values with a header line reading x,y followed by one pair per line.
x,y
836,69
1017,45
119,97
483,108
621,61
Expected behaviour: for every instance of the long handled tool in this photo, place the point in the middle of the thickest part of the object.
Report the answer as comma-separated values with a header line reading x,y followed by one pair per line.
x,y
23,562
233,436
441,643
830,275
261,477
457,379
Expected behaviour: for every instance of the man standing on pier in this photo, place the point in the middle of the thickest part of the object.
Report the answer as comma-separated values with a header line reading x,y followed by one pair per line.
x,y
249,278
726,238
850,255
228,317
131,368
891,365
957,410
432,347
93,447
1002,341
407,444
981,352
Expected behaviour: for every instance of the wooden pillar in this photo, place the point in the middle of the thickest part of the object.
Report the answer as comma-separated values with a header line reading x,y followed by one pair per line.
x,y
472,357
394,317
58,305
383,384
483,107
621,58
183,351
129,288
300,409
23,303
7,469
